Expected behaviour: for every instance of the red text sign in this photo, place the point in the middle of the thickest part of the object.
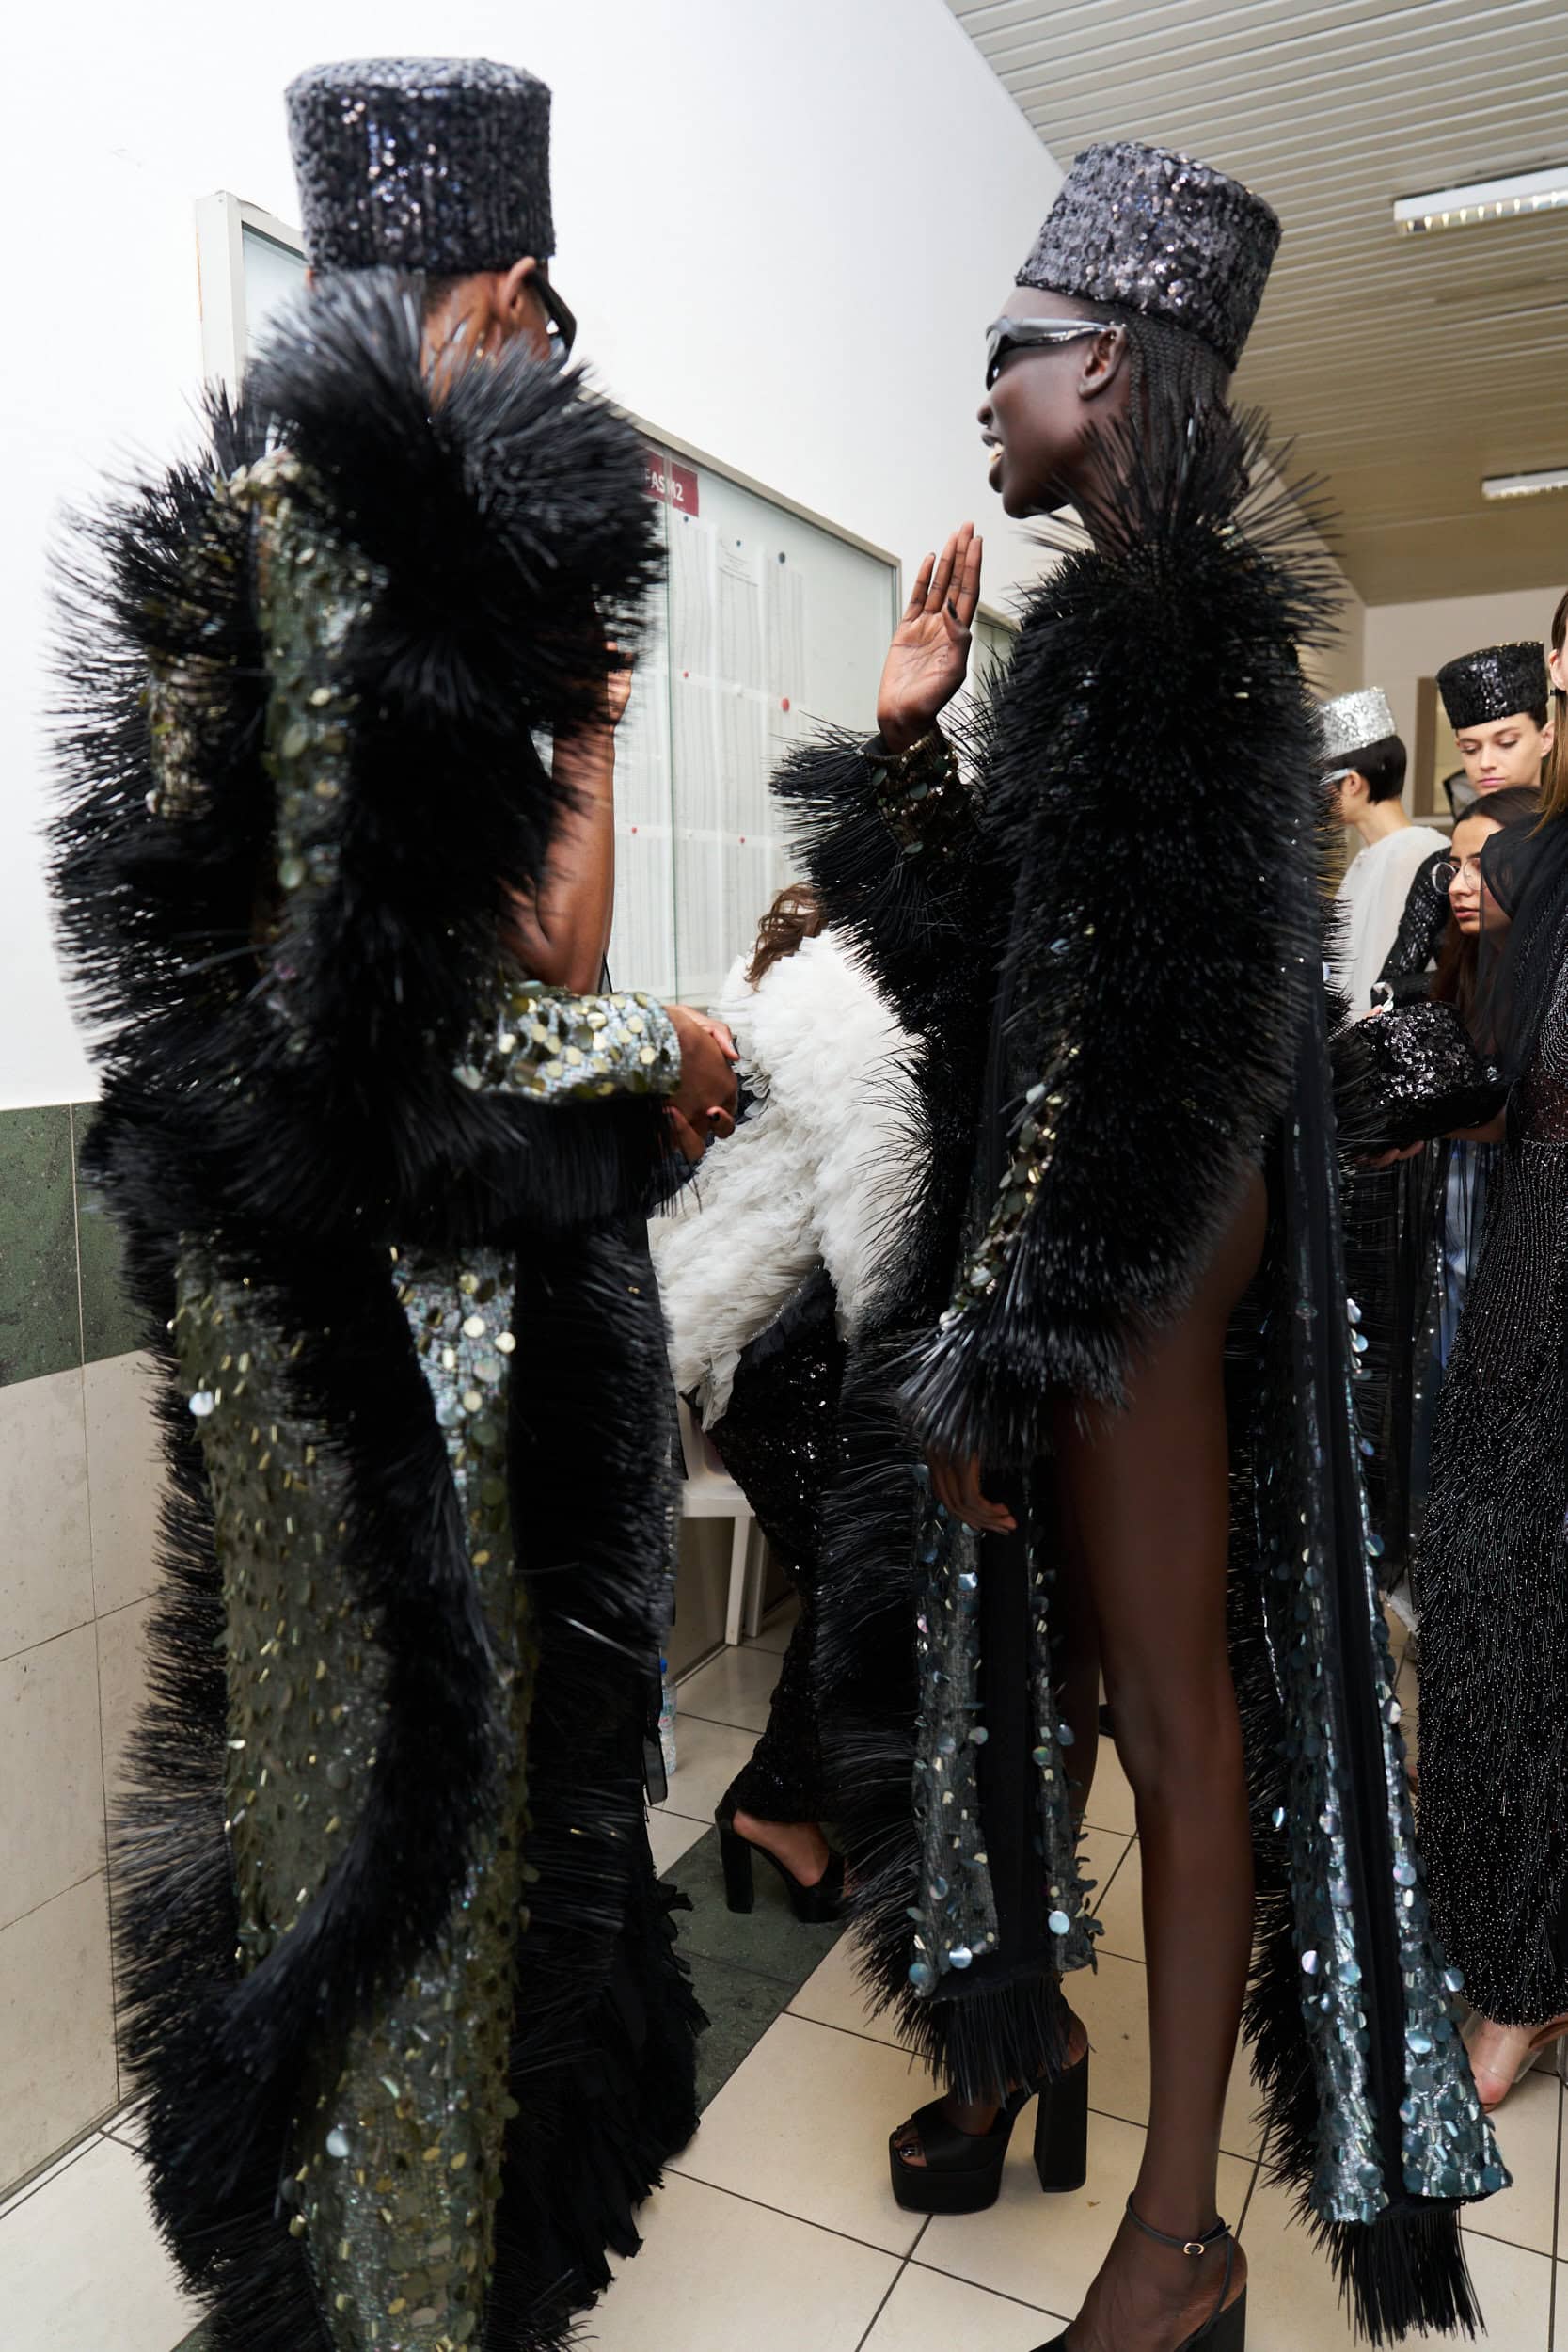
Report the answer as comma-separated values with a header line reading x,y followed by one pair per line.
x,y
663,478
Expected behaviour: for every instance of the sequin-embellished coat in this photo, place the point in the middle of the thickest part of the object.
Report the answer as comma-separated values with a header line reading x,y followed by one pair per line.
x,y
1107,925
399,1982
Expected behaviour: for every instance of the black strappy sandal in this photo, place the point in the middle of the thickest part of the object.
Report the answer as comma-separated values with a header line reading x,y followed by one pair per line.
x,y
962,2171
1223,2331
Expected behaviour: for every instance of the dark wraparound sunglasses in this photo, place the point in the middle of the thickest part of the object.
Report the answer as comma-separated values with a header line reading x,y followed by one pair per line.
x,y
564,326
1005,336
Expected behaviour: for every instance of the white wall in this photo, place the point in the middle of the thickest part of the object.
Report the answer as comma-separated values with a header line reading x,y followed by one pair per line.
x,y
784,229
1402,643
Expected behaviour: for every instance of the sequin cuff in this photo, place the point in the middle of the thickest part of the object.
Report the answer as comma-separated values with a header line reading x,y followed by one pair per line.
x,y
920,795
561,1048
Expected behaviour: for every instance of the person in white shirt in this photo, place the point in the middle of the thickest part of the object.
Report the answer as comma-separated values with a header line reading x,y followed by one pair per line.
x,y
1364,762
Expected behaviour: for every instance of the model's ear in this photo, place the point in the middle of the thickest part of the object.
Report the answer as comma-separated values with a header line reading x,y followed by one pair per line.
x,y
515,305
1548,734
1105,362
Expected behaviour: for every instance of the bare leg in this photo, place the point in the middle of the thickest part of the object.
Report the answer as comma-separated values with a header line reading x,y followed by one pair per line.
x,y
1146,1492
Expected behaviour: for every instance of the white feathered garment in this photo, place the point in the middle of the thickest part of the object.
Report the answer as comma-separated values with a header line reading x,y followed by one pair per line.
x,y
819,1171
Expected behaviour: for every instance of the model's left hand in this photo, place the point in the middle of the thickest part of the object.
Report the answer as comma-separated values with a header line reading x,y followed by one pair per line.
x,y
956,1484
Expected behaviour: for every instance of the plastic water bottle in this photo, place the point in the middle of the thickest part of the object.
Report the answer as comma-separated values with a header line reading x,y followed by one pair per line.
x,y
667,1719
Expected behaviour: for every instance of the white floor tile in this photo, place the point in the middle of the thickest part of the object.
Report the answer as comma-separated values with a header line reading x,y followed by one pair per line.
x,y
733,1688
1527,2126
1121,1906
776,1629
833,1996
58,2069
708,1755
1101,1852
83,2267
1294,2299
670,1834
125,1470
50,1772
1112,2002
49,2172
1045,2250
716,2274
1110,1805
1515,2290
926,2309
121,1685
802,2125
45,1536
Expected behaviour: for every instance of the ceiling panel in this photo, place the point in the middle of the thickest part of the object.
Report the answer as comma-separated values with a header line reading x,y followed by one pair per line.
x,y
1405,368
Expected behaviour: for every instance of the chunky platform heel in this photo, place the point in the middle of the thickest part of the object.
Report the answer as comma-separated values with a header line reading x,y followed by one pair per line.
x,y
1061,2131
963,2170
815,1905
1225,2330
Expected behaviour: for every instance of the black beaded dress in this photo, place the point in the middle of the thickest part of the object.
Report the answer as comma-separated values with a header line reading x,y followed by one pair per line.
x,y
1122,1014
1493,1586
398,1981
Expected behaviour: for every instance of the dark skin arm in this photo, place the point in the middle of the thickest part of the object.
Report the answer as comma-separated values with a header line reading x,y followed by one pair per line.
x,y
560,934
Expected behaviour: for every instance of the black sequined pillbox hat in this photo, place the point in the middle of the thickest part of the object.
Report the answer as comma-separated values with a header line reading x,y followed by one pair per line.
x,y
1156,232
1495,683
434,164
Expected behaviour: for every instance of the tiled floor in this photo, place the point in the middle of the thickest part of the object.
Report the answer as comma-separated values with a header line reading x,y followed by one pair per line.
x,y
776,2227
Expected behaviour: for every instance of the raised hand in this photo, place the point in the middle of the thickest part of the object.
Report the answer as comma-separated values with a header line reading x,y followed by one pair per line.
x,y
929,654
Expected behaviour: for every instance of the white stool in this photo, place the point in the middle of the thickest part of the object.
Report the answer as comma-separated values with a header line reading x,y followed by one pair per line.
x,y
709,1492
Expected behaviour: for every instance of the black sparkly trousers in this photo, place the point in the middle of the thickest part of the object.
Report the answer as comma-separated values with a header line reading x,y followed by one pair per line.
x,y
777,1439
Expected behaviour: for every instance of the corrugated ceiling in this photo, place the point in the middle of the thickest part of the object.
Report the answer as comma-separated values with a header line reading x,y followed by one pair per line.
x,y
1406,367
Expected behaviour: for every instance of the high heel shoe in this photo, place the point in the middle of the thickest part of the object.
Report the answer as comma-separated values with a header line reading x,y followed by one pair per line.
x,y
1225,2330
815,1905
962,2171
1545,2038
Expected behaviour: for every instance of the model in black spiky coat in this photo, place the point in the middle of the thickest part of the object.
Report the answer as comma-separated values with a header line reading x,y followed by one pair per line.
x,y
398,1981
1117,1334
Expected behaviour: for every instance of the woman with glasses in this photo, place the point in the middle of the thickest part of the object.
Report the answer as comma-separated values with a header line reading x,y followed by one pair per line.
x,y
1104,923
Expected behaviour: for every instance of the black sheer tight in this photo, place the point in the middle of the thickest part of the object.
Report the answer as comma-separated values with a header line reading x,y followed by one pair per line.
x,y
1145,1506
1144,1500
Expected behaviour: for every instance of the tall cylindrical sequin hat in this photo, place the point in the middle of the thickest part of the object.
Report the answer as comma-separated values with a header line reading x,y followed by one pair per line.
x,y
1495,682
433,164
1353,723
1154,231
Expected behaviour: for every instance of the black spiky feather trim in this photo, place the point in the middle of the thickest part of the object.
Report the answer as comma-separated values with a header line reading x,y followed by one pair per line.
x,y
494,522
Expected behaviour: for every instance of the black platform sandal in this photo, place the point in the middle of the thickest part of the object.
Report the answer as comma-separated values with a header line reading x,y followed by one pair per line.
x,y
1223,2331
816,1905
962,2171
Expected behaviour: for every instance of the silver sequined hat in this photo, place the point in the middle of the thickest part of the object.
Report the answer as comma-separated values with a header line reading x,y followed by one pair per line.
x,y
1495,683
1156,232
1353,723
434,164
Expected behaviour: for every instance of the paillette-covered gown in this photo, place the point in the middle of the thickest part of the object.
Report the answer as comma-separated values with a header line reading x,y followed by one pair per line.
x,y
1107,929
399,1981
1493,1652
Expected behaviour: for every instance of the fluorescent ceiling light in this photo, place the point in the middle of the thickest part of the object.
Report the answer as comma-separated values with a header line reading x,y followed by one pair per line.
x,y
1523,486
1484,199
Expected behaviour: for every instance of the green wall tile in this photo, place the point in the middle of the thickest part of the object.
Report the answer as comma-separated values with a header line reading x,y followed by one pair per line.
x,y
40,1328
111,1325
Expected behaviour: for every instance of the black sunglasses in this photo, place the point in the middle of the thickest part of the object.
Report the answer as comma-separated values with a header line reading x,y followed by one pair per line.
x,y
1005,336
563,325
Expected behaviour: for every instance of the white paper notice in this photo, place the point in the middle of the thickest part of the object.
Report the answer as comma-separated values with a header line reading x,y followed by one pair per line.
x,y
737,657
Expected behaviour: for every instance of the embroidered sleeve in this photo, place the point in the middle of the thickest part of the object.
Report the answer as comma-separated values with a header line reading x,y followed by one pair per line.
x,y
554,1047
